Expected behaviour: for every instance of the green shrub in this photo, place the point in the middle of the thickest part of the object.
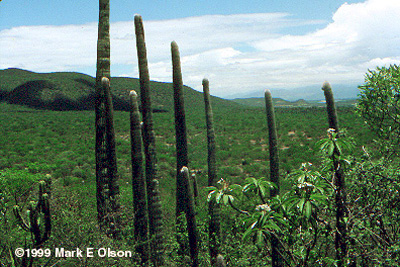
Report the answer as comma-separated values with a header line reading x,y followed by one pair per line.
x,y
17,183
379,103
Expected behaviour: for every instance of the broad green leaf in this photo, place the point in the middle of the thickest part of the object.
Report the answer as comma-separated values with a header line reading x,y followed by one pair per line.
x,y
211,195
308,209
247,187
225,199
330,149
211,188
247,234
274,226
236,187
318,197
253,224
260,237
301,204
262,190
218,198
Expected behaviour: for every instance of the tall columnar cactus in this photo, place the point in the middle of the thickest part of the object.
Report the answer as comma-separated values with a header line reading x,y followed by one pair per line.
x,y
141,220
340,192
39,228
151,170
273,143
180,125
213,208
190,212
107,190
106,171
277,259
330,107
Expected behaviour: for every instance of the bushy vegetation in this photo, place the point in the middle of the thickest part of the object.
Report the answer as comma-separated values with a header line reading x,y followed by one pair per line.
x,y
62,144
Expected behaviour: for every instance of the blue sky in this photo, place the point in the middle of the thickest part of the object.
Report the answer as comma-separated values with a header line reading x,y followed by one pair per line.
x,y
241,46
43,12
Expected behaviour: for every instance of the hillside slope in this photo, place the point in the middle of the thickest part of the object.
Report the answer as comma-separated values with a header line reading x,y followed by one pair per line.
x,y
75,91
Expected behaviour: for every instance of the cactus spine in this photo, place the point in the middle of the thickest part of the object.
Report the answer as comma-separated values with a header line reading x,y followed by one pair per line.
x,y
190,212
274,169
180,125
340,193
107,190
213,208
151,170
138,182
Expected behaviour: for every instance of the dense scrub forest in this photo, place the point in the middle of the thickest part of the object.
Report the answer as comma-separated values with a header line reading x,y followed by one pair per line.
x,y
207,182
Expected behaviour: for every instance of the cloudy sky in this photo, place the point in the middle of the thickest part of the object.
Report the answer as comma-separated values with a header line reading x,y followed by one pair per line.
x,y
240,46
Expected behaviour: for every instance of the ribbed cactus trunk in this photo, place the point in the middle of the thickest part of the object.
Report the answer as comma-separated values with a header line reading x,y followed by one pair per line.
x,y
195,188
141,219
106,163
180,125
103,70
187,197
214,227
273,143
151,169
107,190
340,192
277,259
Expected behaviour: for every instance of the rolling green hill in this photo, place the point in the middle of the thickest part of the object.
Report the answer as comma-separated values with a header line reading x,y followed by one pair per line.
x,y
75,91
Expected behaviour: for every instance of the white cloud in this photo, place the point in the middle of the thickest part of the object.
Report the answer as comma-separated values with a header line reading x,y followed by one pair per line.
x,y
237,53
48,48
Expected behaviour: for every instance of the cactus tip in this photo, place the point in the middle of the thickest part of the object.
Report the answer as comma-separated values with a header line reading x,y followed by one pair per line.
x,y
138,17
105,81
326,86
174,44
132,93
267,92
205,81
184,169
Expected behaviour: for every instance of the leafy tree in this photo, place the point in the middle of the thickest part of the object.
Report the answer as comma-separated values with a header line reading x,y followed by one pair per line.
x,y
376,191
379,104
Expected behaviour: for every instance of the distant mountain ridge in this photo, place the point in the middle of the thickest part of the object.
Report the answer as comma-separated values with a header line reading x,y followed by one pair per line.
x,y
76,91
279,102
313,92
